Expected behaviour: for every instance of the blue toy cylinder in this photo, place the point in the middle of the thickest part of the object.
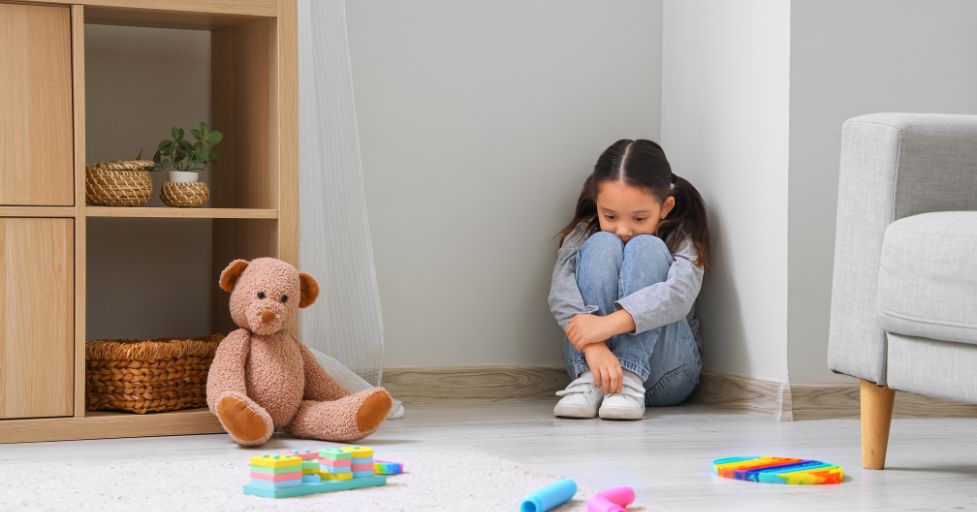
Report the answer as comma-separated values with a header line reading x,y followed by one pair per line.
x,y
549,497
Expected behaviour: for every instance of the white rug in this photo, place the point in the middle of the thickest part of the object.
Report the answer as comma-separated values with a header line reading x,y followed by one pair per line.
x,y
449,480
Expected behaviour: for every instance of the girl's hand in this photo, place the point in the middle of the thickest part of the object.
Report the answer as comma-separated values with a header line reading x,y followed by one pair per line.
x,y
605,367
583,330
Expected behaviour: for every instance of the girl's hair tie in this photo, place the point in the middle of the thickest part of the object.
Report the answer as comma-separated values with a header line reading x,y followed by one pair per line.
x,y
674,179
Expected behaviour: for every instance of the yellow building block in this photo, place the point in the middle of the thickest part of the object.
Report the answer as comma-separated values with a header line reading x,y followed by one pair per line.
x,y
358,452
336,476
276,461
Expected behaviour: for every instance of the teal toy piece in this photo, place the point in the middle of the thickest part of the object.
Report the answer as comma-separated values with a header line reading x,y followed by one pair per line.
x,y
549,497
315,488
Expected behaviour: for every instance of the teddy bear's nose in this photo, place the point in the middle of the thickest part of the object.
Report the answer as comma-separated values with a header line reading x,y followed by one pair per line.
x,y
267,316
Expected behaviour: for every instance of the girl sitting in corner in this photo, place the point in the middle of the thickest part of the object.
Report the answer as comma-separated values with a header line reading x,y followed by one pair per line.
x,y
629,269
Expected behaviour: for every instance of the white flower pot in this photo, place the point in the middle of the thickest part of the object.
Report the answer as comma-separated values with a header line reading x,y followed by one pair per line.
x,y
184,176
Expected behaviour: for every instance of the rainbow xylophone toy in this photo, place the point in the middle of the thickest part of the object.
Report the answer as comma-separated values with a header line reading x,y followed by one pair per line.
x,y
779,470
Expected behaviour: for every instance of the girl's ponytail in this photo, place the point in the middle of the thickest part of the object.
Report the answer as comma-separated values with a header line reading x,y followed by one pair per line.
x,y
687,220
586,210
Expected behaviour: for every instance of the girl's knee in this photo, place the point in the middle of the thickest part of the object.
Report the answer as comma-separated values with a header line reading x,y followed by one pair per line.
x,y
604,239
648,247
645,261
604,246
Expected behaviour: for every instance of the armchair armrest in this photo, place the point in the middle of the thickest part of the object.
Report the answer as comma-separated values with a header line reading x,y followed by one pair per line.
x,y
892,166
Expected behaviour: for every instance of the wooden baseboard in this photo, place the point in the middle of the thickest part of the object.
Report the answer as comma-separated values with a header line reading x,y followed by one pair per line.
x,y
745,394
781,401
467,383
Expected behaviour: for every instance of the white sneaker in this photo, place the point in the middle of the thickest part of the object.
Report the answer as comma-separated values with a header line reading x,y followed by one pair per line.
x,y
629,404
580,399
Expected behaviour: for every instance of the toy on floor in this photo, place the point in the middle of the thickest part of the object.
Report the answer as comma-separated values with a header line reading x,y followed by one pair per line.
x,y
310,464
335,464
386,467
263,379
779,470
549,497
298,473
615,499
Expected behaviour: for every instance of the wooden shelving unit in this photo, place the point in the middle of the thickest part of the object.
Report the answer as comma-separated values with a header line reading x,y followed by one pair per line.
x,y
45,223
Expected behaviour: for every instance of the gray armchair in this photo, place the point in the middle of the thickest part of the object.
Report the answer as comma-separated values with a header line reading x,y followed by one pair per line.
x,y
904,296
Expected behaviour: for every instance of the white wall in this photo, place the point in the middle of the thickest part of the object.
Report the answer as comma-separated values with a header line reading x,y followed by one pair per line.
x,y
478,123
850,58
724,127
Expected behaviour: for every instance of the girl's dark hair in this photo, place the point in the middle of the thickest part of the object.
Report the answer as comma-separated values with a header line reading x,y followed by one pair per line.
x,y
642,163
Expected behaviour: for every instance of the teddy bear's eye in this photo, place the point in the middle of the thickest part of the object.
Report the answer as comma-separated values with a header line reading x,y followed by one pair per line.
x,y
261,295
284,298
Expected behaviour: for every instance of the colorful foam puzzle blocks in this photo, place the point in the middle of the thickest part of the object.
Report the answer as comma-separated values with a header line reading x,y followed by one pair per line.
x,y
335,464
386,467
276,471
779,470
301,472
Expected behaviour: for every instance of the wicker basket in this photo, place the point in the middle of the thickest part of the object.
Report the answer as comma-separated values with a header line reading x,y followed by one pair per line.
x,y
119,183
150,375
185,195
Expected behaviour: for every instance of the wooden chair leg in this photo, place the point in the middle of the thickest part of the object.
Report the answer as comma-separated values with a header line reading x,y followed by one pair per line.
x,y
876,418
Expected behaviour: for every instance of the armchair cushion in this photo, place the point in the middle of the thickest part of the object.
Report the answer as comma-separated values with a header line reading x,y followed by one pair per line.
x,y
928,277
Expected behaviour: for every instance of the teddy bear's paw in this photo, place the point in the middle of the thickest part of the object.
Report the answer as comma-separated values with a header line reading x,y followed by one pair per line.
x,y
245,421
373,411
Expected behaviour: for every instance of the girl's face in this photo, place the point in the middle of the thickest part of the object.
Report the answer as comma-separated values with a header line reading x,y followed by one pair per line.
x,y
629,211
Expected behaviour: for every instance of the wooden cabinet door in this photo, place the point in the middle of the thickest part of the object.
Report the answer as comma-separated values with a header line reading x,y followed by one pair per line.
x,y
35,105
36,317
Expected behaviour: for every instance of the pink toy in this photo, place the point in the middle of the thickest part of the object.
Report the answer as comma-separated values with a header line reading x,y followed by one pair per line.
x,y
615,499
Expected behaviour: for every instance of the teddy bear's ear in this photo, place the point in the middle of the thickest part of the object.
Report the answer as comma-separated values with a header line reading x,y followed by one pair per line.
x,y
310,289
231,274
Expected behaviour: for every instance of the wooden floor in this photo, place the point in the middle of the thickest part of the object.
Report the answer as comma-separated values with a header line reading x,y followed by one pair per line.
x,y
666,457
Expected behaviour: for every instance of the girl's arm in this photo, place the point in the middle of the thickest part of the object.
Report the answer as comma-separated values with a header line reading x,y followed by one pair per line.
x,y
565,299
668,301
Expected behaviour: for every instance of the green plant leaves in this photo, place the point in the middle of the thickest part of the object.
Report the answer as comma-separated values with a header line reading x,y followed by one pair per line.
x,y
184,155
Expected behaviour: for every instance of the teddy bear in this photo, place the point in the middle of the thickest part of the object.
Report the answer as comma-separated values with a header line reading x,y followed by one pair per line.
x,y
263,379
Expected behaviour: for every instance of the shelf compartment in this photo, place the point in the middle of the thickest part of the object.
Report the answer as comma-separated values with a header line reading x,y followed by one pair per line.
x,y
226,75
157,277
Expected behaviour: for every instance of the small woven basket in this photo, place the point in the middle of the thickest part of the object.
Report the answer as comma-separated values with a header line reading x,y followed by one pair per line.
x,y
119,183
148,375
185,195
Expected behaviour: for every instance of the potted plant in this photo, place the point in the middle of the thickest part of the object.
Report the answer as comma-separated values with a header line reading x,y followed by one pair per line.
x,y
187,159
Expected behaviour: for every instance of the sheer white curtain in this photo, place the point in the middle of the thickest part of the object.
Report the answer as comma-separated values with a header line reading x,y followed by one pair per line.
x,y
345,327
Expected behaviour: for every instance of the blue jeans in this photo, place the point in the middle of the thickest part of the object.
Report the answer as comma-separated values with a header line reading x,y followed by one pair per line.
x,y
666,358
